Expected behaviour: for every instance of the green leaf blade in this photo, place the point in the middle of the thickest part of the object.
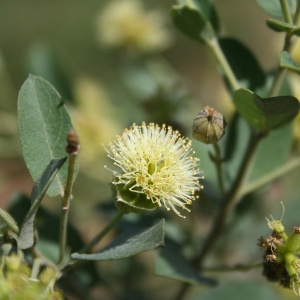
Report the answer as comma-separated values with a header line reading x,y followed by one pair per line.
x,y
171,264
43,123
243,63
280,26
265,114
286,61
189,21
27,231
129,245
273,7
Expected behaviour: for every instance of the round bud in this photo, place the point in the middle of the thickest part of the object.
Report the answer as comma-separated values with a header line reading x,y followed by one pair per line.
x,y
209,126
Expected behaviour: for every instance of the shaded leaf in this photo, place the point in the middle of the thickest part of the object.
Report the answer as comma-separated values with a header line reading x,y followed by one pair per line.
x,y
189,21
265,114
43,123
27,231
131,244
243,63
286,61
208,10
240,289
276,147
48,224
171,264
273,7
280,26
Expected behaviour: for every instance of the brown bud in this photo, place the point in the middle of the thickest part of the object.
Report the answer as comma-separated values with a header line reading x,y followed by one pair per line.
x,y
209,126
73,145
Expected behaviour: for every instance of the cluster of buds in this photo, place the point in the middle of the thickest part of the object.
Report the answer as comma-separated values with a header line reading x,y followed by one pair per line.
x,y
16,281
282,256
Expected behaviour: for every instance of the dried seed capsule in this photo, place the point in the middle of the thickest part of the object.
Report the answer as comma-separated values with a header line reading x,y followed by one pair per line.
x,y
209,126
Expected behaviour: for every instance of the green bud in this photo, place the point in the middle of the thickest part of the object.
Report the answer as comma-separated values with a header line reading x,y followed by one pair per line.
x,y
47,276
209,126
293,242
13,262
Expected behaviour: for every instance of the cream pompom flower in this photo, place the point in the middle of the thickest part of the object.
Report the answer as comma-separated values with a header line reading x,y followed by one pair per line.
x,y
128,24
158,163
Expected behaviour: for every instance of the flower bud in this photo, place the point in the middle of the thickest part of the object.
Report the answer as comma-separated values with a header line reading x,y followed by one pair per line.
x,y
209,126
73,145
293,242
47,276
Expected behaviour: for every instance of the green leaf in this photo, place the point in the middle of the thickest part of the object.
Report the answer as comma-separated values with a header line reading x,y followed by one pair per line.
x,y
276,147
7,219
240,289
286,61
265,114
273,7
280,26
27,231
189,21
207,8
243,63
43,123
171,264
129,244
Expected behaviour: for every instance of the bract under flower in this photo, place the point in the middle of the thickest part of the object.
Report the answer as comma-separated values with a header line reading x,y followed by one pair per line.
x,y
157,162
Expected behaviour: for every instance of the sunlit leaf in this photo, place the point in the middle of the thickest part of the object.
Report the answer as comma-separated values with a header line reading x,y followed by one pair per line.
x,y
265,114
130,244
43,123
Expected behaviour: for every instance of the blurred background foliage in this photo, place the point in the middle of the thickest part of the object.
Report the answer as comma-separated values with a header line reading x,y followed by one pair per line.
x,y
109,83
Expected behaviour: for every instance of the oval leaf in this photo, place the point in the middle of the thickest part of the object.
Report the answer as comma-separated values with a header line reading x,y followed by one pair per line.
x,y
280,26
207,8
188,20
286,61
243,63
129,244
273,7
265,114
43,123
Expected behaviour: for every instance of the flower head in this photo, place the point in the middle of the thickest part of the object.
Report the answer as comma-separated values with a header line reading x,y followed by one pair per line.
x,y
127,24
157,162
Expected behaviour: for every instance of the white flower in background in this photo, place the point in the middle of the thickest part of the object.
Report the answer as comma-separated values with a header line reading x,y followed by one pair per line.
x,y
127,24
93,118
157,162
